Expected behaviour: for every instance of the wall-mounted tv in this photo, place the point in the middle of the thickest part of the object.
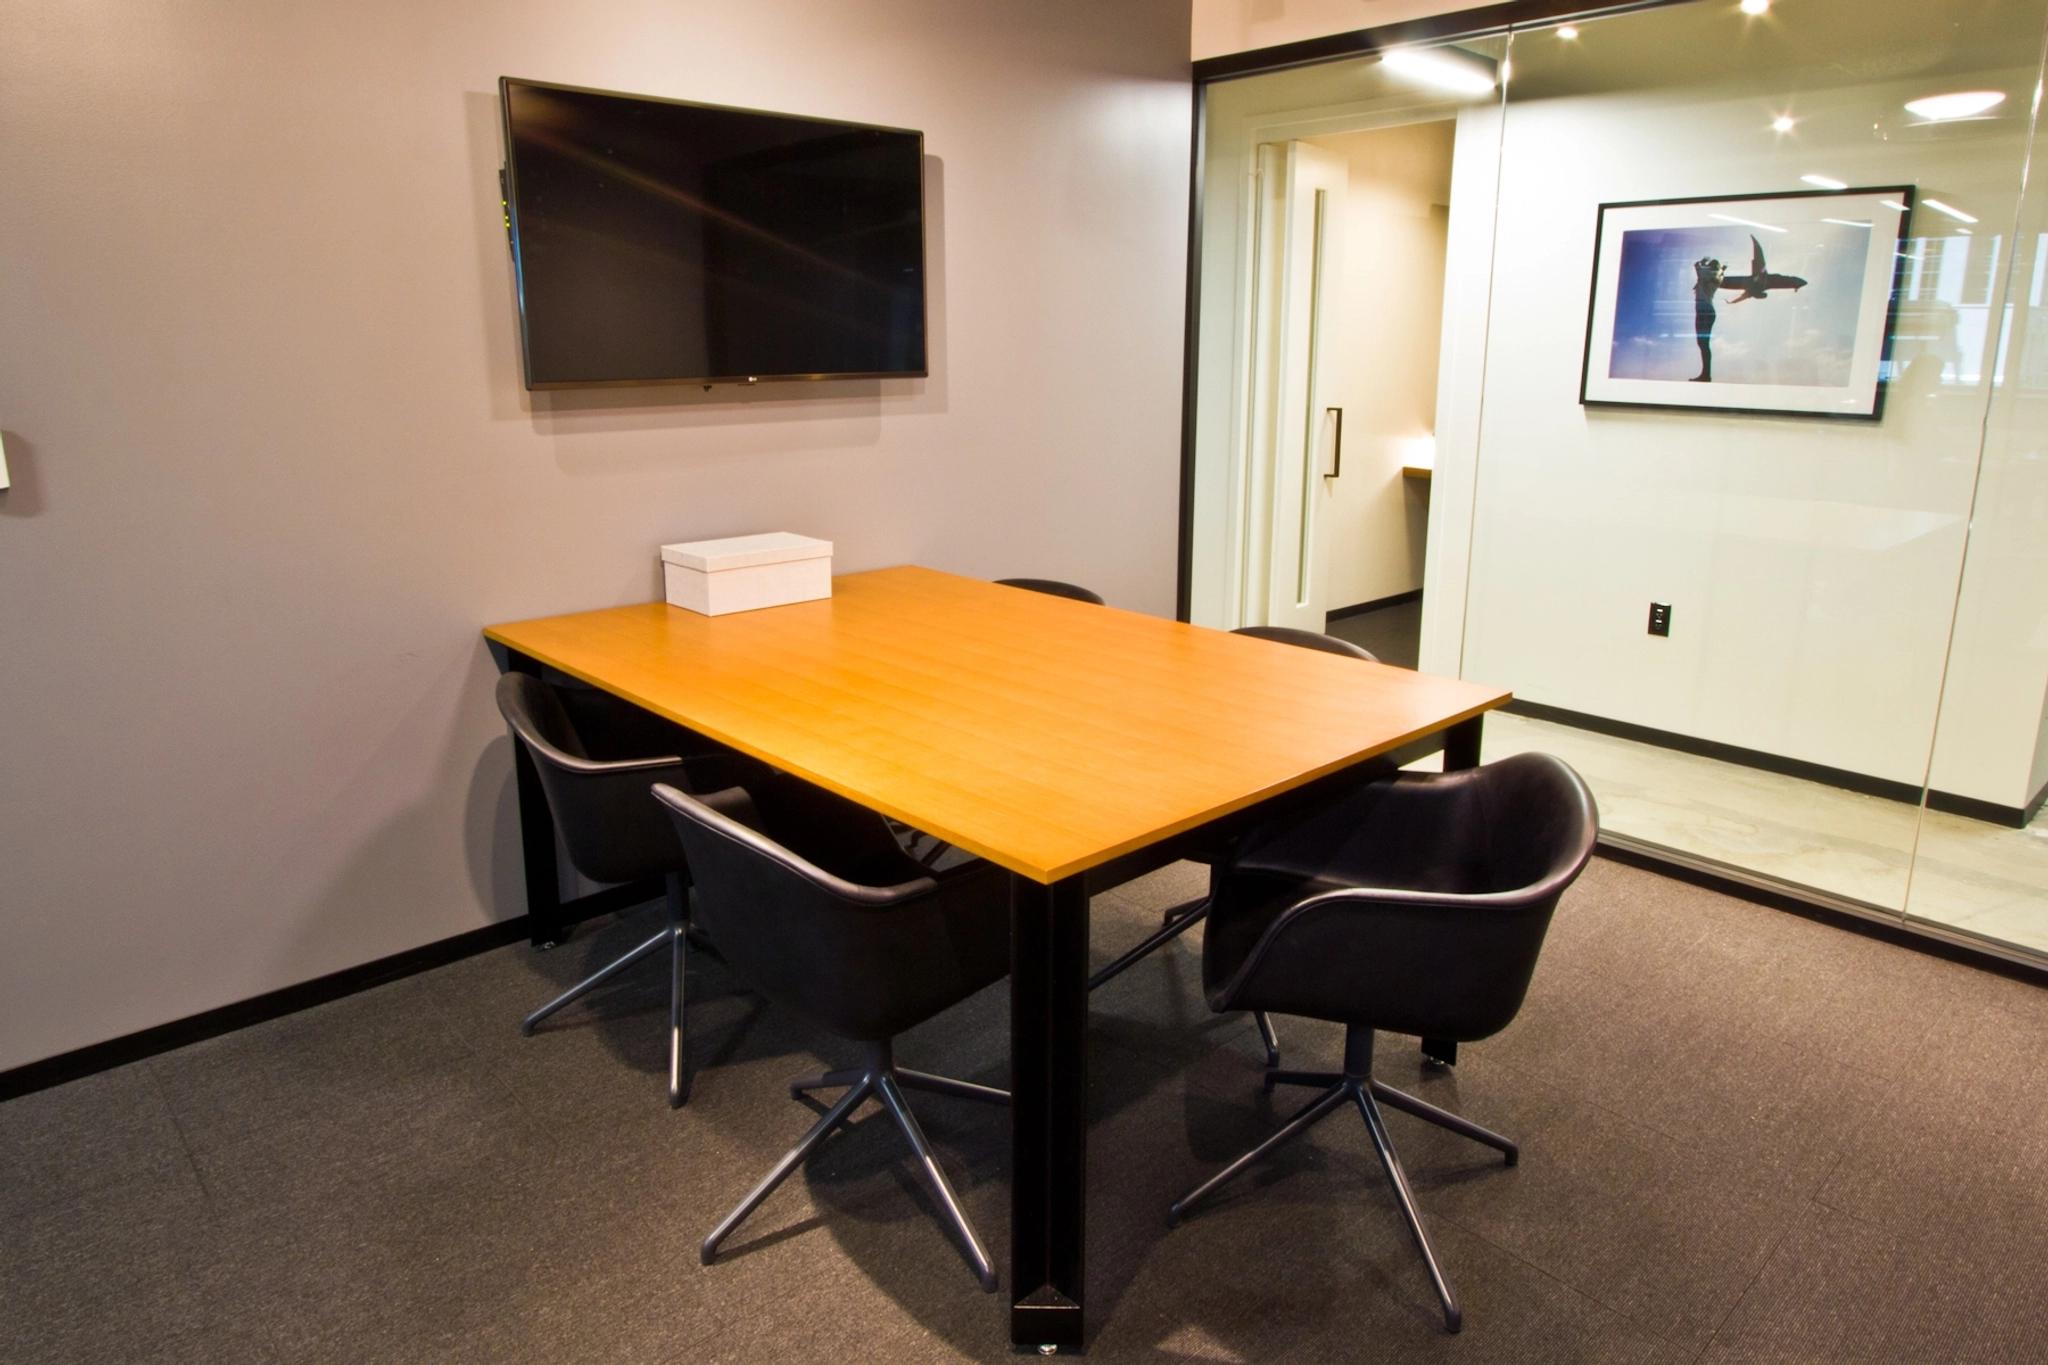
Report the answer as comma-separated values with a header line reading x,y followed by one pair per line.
x,y
657,241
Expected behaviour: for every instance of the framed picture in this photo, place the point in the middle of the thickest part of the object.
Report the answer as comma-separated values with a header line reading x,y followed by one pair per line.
x,y
1767,303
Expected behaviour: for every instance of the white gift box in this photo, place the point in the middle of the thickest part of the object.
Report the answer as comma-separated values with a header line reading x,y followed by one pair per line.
x,y
743,573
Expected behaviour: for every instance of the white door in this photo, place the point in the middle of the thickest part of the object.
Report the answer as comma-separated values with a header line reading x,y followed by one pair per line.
x,y
1291,446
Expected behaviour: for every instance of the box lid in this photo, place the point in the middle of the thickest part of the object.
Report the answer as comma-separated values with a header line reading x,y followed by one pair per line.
x,y
743,552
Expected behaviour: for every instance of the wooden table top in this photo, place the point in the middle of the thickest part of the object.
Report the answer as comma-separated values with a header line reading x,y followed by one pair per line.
x,y
1046,735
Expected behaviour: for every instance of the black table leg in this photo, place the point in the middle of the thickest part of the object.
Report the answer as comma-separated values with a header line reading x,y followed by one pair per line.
x,y
1461,750
1049,1111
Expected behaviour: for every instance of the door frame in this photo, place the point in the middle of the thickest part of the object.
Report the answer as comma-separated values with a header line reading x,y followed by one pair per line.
x,y
1480,22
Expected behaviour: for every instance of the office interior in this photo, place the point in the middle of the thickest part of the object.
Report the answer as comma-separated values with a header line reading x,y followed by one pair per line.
x,y
271,468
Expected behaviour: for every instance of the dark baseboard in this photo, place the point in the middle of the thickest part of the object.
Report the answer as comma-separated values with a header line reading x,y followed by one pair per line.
x,y
2013,817
133,1047
1377,604
1898,934
1726,753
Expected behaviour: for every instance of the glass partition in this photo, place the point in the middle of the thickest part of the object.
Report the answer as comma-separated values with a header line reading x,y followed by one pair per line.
x,y
1737,623
1720,340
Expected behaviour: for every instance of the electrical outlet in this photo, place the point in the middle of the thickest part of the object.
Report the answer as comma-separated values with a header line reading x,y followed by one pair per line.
x,y
1660,618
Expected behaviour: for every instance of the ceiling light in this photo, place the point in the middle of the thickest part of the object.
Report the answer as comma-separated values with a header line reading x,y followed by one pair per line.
x,y
1746,222
1826,182
1846,222
1962,232
1460,76
1961,104
1567,33
1893,204
1755,6
1781,124
1954,213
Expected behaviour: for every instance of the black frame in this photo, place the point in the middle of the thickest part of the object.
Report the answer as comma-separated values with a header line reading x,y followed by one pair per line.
x,y
508,186
1891,314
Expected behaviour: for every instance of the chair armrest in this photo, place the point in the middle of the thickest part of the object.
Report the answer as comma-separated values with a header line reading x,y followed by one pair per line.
x,y
704,812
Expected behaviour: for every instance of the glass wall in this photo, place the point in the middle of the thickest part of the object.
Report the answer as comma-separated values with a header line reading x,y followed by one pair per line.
x,y
1844,692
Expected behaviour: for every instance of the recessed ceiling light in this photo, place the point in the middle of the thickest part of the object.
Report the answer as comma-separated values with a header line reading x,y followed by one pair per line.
x,y
1826,182
1954,213
1893,204
1747,222
1781,124
1440,69
1961,104
1567,33
1755,6
1847,222
1962,232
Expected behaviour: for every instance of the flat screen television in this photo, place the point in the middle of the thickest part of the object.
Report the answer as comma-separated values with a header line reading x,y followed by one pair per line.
x,y
657,241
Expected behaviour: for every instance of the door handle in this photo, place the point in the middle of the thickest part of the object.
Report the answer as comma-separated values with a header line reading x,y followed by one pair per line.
x,y
1336,443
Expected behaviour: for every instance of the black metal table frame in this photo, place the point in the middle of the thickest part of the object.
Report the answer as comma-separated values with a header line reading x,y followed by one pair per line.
x,y
1048,1043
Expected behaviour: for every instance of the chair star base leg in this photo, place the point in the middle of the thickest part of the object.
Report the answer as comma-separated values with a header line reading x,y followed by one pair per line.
x,y
877,1078
1357,1087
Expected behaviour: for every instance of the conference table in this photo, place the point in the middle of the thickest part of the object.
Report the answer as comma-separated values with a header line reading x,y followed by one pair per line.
x,y
1071,744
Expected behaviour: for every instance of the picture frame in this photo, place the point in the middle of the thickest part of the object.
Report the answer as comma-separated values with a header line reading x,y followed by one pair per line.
x,y
1762,303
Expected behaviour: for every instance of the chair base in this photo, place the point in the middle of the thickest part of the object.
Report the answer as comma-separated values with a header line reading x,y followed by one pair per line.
x,y
878,1077
676,938
1356,1085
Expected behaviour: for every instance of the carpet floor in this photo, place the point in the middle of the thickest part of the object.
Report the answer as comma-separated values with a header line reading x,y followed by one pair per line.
x,y
1746,1136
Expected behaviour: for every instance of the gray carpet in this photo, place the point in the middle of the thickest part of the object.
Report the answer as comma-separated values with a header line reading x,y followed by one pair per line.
x,y
1746,1137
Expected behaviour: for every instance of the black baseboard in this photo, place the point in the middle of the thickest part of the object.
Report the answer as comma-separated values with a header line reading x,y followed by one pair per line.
x,y
1949,950
133,1047
1377,604
2013,817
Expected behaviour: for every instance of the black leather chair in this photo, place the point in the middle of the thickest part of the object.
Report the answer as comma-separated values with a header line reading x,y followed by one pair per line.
x,y
812,901
1417,904
597,756
1052,587
1182,918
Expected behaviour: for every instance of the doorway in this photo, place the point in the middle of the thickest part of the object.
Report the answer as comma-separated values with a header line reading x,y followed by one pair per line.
x,y
1328,212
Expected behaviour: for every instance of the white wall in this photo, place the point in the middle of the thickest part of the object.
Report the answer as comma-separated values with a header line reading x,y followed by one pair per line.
x,y
1813,565
1225,26
1385,367
273,466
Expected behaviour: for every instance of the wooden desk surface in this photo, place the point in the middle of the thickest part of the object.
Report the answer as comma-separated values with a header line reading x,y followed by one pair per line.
x,y
1045,735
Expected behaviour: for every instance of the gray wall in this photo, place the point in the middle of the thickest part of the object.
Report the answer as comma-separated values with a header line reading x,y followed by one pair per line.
x,y
274,468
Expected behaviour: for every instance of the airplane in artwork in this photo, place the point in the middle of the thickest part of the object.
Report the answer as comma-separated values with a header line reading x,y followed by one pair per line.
x,y
1759,282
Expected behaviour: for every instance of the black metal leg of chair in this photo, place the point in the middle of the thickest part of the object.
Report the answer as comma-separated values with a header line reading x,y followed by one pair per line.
x,y
1443,1118
946,1085
1310,1115
591,983
678,1044
1316,1078
790,1161
892,1096
1377,1125
1270,1039
1173,930
1186,910
831,1080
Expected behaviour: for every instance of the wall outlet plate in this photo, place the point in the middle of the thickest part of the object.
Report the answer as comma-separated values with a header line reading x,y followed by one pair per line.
x,y
1660,618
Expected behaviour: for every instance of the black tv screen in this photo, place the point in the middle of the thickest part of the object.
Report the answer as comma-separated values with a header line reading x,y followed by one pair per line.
x,y
656,241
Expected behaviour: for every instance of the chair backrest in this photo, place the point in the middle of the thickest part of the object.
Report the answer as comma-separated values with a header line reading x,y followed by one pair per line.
x,y
1421,900
1052,587
1308,639
814,904
613,830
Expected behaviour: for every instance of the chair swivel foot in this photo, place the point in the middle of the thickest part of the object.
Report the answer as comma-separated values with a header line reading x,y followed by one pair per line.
x,y
593,981
1317,1078
1443,1118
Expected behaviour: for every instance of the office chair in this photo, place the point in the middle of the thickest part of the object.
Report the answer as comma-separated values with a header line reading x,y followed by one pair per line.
x,y
597,756
1416,904
1181,918
813,902
1052,587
